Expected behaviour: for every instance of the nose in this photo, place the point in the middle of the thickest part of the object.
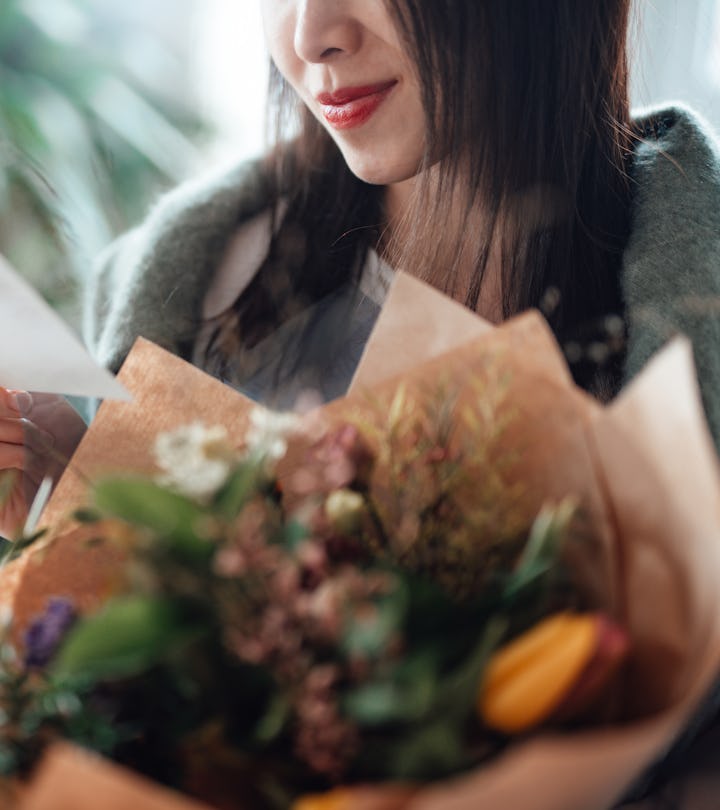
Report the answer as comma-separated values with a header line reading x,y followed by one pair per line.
x,y
326,30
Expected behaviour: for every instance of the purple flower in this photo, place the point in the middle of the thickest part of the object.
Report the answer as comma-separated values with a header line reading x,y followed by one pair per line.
x,y
45,633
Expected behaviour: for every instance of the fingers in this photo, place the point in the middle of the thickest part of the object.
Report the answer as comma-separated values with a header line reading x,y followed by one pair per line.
x,y
56,416
37,419
12,431
12,457
27,433
8,403
49,437
33,468
51,409
14,402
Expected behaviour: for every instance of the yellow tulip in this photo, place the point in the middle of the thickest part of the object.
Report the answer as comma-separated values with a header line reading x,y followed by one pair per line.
x,y
334,800
562,663
364,797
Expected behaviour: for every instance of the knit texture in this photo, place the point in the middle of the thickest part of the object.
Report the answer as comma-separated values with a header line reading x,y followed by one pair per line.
x,y
671,266
151,282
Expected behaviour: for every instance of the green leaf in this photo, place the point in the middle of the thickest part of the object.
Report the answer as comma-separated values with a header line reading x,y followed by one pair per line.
x,y
541,551
273,720
456,693
239,488
293,533
434,749
11,549
425,752
143,503
369,637
406,699
8,760
125,638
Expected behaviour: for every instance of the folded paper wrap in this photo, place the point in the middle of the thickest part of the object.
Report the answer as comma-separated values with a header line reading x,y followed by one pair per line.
x,y
645,472
88,781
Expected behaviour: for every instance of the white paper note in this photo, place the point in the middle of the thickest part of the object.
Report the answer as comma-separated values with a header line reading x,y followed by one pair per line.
x,y
39,352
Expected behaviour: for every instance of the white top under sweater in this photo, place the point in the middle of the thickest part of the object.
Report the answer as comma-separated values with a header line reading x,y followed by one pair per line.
x,y
244,255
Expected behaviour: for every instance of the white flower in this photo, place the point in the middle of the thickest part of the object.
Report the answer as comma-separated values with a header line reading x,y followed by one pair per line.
x,y
266,435
196,460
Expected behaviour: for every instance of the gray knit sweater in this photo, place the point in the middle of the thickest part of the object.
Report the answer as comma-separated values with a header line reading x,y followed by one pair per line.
x,y
152,281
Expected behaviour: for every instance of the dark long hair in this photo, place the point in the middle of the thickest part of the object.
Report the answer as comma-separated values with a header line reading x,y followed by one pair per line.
x,y
527,104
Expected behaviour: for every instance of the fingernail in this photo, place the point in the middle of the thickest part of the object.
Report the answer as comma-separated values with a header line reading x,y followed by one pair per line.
x,y
23,401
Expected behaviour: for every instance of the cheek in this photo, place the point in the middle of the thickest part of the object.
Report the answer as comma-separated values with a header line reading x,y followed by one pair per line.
x,y
278,18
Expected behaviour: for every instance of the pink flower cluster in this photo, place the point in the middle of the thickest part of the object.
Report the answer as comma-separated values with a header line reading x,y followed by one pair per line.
x,y
288,609
341,458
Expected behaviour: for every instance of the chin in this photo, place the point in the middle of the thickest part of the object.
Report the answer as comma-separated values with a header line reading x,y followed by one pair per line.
x,y
381,172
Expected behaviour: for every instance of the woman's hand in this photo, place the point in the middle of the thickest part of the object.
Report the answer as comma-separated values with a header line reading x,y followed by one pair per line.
x,y
38,434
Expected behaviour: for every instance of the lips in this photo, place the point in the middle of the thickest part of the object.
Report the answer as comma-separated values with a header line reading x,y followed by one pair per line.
x,y
352,106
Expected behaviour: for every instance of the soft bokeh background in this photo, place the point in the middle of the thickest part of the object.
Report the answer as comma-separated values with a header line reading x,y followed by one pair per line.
x,y
106,103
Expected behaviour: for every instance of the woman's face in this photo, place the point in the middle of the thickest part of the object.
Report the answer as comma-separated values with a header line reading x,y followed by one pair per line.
x,y
345,61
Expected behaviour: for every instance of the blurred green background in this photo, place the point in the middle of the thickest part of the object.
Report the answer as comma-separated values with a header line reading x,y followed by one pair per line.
x,y
88,136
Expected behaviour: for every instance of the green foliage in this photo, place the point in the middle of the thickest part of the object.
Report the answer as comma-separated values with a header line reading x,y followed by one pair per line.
x,y
175,519
435,747
369,638
249,478
406,696
539,557
84,142
128,636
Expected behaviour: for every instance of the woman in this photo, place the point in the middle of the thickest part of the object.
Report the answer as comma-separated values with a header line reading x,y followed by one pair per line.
x,y
485,146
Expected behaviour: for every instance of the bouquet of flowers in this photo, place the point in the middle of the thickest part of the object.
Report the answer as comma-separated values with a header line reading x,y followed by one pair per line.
x,y
397,591
344,639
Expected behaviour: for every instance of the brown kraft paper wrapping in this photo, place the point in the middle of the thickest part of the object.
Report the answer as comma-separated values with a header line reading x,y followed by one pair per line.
x,y
644,469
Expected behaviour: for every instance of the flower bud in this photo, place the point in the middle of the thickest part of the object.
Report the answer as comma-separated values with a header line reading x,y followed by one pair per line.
x,y
555,669
344,509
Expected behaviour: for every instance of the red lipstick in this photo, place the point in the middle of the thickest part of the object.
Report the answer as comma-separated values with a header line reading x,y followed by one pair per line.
x,y
352,106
